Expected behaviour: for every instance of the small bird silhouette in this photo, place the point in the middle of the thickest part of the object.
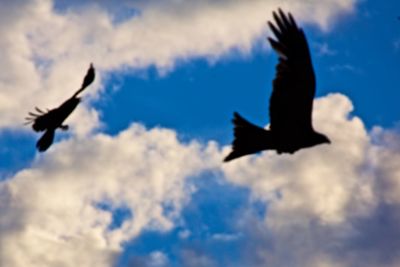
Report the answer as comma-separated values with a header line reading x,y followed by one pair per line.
x,y
52,119
291,101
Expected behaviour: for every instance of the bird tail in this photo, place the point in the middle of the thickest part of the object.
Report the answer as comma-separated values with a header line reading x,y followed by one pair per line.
x,y
249,138
45,141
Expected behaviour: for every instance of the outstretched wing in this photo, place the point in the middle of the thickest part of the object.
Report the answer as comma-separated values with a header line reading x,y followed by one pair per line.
x,y
46,140
294,85
87,80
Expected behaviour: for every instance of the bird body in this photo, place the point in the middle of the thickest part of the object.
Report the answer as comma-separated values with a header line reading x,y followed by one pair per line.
x,y
291,101
53,119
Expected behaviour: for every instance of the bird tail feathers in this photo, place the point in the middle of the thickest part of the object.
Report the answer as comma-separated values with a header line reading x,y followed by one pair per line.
x,y
45,141
249,138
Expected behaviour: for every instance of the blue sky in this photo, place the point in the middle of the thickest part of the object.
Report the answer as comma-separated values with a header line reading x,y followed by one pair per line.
x,y
361,62
176,204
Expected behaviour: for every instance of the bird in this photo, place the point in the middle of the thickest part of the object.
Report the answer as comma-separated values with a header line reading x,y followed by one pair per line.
x,y
50,120
291,100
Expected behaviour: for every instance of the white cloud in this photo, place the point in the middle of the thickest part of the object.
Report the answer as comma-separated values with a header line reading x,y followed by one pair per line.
x,y
194,258
50,212
45,53
323,49
225,237
346,67
158,259
385,157
333,205
154,259
296,180
184,234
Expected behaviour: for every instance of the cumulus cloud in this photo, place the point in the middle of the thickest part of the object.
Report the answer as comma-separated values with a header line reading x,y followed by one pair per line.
x,y
52,213
45,51
196,258
334,205
154,259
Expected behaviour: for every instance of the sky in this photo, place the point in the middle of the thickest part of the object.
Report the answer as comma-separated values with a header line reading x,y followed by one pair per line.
x,y
138,180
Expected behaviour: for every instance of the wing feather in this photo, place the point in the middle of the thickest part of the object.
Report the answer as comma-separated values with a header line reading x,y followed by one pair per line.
x,y
87,80
294,84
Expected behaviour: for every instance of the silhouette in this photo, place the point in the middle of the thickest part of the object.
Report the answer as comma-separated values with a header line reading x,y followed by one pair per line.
x,y
52,119
291,101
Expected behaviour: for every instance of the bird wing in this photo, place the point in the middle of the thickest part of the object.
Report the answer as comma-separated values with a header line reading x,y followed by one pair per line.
x,y
46,140
294,84
87,80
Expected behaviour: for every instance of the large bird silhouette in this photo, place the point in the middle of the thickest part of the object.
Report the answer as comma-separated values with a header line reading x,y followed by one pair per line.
x,y
52,119
291,101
